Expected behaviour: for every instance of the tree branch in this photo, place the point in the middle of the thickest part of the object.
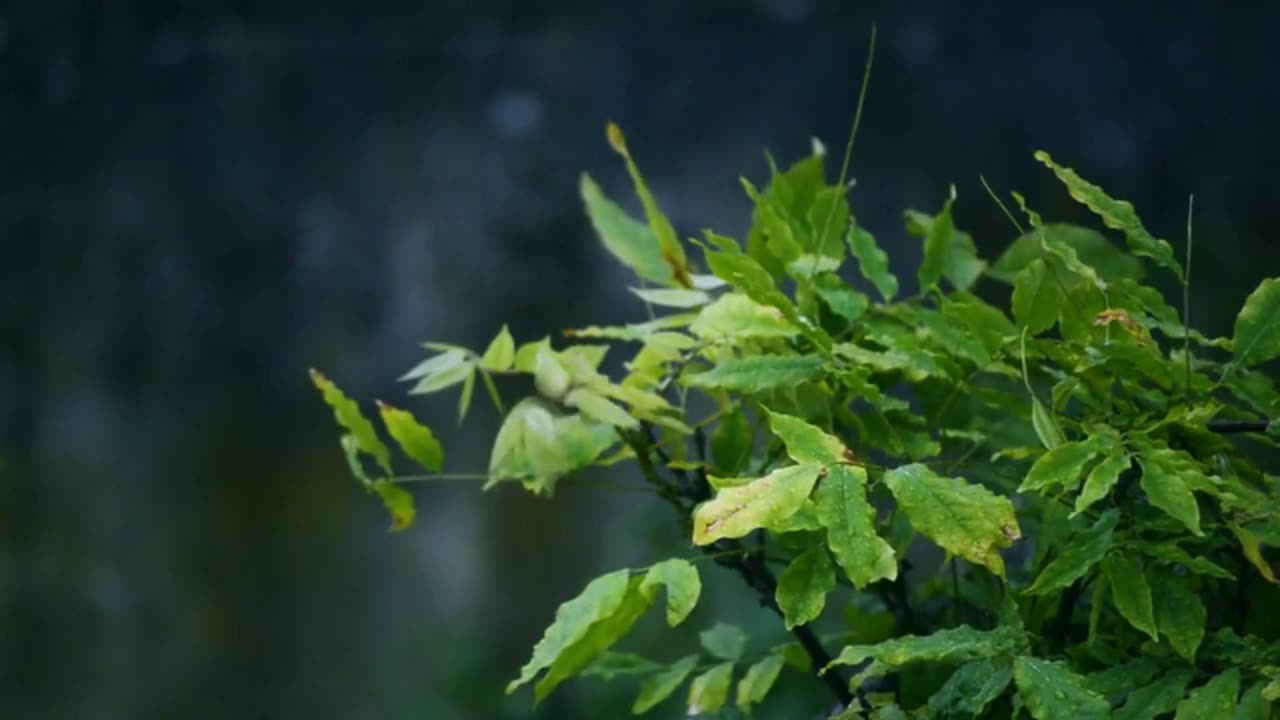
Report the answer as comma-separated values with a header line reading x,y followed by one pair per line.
x,y
1230,427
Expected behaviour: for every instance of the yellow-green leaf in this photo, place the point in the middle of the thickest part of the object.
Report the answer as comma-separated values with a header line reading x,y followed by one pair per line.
x,y
348,415
416,440
1115,214
660,686
736,511
501,353
1036,297
672,252
952,645
599,599
709,691
683,585
598,407
1103,477
1047,429
1251,545
850,521
629,240
1130,592
724,641
873,262
1168,490
806,443
1257,331
758,373
803,586
398,502
1062,465
672,297
966,520
735,315
1051,691
755,685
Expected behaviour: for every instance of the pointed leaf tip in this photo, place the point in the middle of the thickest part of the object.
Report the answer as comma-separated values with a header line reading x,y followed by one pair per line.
x,y
616,139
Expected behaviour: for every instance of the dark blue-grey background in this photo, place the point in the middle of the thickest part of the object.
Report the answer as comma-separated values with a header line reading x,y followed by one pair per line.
x,y
199,201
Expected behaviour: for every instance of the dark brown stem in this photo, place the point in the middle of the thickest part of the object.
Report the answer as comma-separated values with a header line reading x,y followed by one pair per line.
x,y
1231,427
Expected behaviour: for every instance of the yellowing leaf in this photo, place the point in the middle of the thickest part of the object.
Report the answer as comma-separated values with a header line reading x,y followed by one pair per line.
x,y
966,520
850,521
348,415
683,585
1130,592
803,586
660,686
736,511
737,316
807,443
672,252
1051,691
398,502
417,440
1257,332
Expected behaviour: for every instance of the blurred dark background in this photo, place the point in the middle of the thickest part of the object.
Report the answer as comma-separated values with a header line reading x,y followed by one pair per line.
x,y
200,200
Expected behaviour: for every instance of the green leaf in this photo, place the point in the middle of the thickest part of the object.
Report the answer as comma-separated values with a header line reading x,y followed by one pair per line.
x,y
948,252
660,686
970,689
1053,692
1158,698
709,691
803,586
446,376
1115,214
533,443
1036,296
841,502
1180,615
724,641
612,665
966,520
599,599
1215,700
683,585
351,450
468,388
1251,546
1084,551
1103,477
1170,554
873,262
669,245
415,439
628,240
842,299
1046,427
437,363
501,352
734,315
806,443
1090,246
550,376
599,637
398,502
598,407
736,511
1254,704
1168,490
755,685
348,415
758,373
1063,465
672,297
1257,333
1119,680
731,443
1130,592
952,645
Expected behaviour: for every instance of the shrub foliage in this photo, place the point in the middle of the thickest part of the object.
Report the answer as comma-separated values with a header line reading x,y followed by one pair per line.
x,y
1054,488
